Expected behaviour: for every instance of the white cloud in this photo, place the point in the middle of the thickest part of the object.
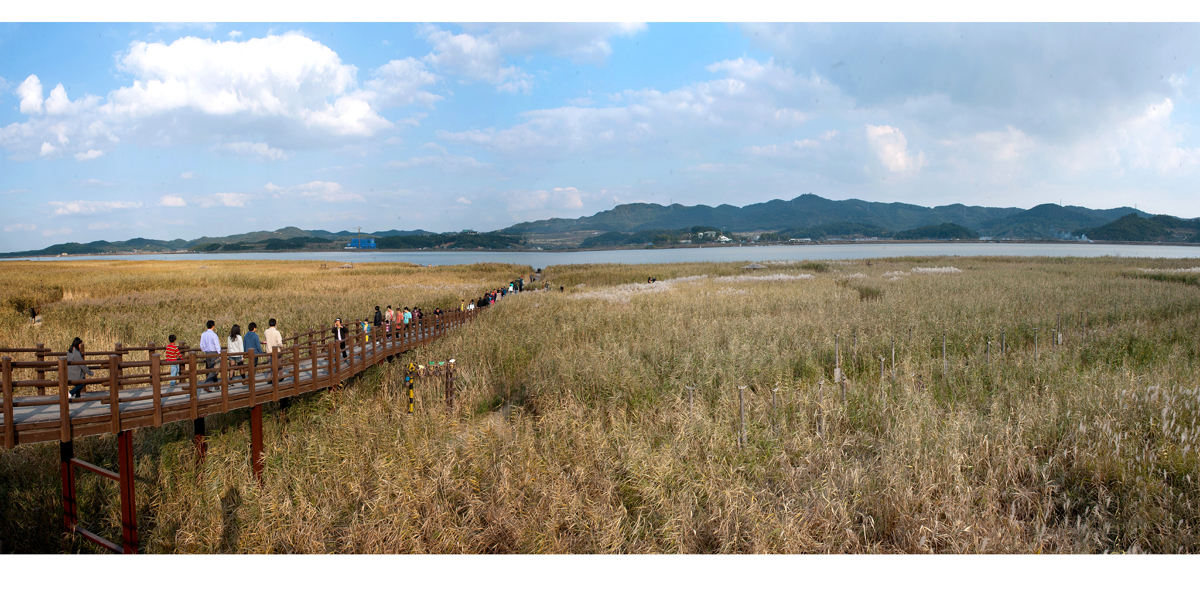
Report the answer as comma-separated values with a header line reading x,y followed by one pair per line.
x,y
94,183
287,91
102,225
325,191
891,148
475,58
87,207
557,199
399,82
1152,142
170,200
188,175
10,192
463,200
20,227
89,155
447,163
234,34
30,93
228,199
258,150
57,232
752,99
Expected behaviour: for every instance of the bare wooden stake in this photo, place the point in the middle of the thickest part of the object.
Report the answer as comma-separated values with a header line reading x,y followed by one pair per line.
x,y
691,403
775,411
742,414
945,366
821,408
893,361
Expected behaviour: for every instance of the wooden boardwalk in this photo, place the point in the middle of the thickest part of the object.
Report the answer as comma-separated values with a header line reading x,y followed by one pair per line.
x,y
141,393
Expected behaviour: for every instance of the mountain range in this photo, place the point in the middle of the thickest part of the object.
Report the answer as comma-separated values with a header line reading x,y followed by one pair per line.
x,y
1046,221
808,215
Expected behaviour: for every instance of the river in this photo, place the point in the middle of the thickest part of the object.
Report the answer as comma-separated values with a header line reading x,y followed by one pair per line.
x,y
540,260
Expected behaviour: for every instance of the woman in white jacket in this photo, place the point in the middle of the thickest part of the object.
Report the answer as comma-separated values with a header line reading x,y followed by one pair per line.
x,y
235,346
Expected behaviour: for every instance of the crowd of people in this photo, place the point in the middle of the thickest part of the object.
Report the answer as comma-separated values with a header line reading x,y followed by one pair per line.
x,y
384,322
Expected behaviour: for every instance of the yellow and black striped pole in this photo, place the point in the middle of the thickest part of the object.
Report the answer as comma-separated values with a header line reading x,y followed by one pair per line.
x,y
408,381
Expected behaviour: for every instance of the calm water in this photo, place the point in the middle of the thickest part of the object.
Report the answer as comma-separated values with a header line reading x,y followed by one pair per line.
x,y
540,260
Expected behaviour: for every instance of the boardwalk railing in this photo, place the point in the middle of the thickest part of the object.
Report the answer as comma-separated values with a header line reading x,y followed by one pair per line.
x,y
137,393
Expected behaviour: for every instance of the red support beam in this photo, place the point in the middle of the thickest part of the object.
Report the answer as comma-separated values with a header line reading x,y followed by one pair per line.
x,y
129,536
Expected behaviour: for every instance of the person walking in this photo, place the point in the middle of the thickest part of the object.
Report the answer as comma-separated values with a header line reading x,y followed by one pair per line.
x,y
210,345
274,340
172,355
378,320
235,346
340,334
388,319
76,371
252,344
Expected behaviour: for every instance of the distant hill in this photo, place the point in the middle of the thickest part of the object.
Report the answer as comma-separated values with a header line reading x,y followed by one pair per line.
x,y
1159,228
945,231
806,212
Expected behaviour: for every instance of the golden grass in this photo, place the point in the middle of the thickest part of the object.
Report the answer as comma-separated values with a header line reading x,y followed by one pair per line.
x,y
573,431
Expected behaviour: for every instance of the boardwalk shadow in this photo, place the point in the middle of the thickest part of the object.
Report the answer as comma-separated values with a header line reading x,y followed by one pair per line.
x,y
231,528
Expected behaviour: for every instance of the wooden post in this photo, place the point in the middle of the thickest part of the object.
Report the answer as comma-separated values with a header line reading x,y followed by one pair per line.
x,y
893,360
252,365
296,370
156,387
199,439
224,379
10,427
275,374
195,394
691,404
1035,343
989,352
742,415
64,407
40,353
114,392
882,371
1003,343
66,453
353,341
129,537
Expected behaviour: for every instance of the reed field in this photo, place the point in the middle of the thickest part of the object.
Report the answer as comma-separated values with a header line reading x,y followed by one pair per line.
x,y
574,430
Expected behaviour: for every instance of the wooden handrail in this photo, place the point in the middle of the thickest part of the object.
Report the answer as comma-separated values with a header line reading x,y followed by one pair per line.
x,y
139,394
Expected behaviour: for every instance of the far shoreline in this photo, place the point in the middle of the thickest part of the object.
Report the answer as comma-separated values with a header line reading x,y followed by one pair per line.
x,y
201,255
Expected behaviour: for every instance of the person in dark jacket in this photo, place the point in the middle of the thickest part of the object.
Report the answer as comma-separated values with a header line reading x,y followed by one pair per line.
x,y
251,343
340,334
377,322
74,372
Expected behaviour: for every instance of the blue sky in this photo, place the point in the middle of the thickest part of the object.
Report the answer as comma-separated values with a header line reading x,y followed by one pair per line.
x,y
114,130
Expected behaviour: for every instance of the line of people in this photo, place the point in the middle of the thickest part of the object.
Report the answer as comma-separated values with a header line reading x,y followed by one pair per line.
x,y
390,322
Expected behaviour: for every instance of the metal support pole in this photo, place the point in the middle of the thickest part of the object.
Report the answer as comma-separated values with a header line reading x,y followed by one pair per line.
x,y
129,536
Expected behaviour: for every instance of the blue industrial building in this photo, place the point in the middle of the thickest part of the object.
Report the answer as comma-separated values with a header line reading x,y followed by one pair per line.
x,y
361,244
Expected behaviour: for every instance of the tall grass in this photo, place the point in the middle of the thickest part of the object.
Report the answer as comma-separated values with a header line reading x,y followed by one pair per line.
x,y
573,431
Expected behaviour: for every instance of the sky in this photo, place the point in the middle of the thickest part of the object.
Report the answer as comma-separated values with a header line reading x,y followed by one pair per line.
x,y
121,130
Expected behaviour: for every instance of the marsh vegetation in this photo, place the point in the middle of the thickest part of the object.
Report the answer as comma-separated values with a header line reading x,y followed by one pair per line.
x,y
574,430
